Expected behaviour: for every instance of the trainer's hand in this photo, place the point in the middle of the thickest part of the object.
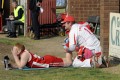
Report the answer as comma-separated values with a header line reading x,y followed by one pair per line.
x,y
66,40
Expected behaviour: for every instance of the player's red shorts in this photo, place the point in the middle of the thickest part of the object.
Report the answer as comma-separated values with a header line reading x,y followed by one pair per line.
x,y
53,61
45,61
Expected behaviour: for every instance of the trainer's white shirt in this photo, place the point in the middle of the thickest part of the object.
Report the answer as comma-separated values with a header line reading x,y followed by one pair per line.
x,y
80,35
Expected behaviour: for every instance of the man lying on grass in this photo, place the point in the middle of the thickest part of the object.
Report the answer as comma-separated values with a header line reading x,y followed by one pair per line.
x,y
24,58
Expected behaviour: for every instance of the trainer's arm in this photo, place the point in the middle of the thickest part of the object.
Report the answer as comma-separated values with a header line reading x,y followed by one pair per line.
x,y
72,41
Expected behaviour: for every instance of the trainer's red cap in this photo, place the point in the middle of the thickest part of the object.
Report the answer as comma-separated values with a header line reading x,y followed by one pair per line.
x,y
63,15
68,19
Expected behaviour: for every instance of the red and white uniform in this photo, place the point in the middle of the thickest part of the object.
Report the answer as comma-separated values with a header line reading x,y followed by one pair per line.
x,y
81,36
44,62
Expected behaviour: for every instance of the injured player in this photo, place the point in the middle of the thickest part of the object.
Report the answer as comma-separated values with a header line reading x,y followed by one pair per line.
x,y
24,58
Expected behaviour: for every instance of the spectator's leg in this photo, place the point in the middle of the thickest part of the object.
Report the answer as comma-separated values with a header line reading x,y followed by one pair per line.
x,y
14,27
35,24
9,28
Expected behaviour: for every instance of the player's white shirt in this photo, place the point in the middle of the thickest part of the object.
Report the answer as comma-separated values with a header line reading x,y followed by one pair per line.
x,y
80,35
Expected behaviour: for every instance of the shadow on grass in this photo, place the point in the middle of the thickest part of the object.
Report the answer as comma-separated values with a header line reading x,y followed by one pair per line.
x,y
114,61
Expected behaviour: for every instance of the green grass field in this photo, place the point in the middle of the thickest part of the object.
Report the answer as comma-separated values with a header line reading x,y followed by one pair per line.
x,y
112,73
58,74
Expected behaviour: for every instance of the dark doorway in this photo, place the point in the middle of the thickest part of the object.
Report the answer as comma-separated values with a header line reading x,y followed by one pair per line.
x,y
6,9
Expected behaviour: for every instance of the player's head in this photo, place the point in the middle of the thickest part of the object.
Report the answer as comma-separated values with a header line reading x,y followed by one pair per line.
x,y
68,22
18,48
14,3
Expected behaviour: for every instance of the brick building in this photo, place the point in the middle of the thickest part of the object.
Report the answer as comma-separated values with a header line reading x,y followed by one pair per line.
x,y
82,9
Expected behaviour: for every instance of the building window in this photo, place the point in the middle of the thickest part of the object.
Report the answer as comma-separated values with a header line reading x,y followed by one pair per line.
x,y
61,3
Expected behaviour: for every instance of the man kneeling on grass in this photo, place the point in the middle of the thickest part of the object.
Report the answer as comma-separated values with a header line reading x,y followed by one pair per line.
x,y
84,42
24,58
